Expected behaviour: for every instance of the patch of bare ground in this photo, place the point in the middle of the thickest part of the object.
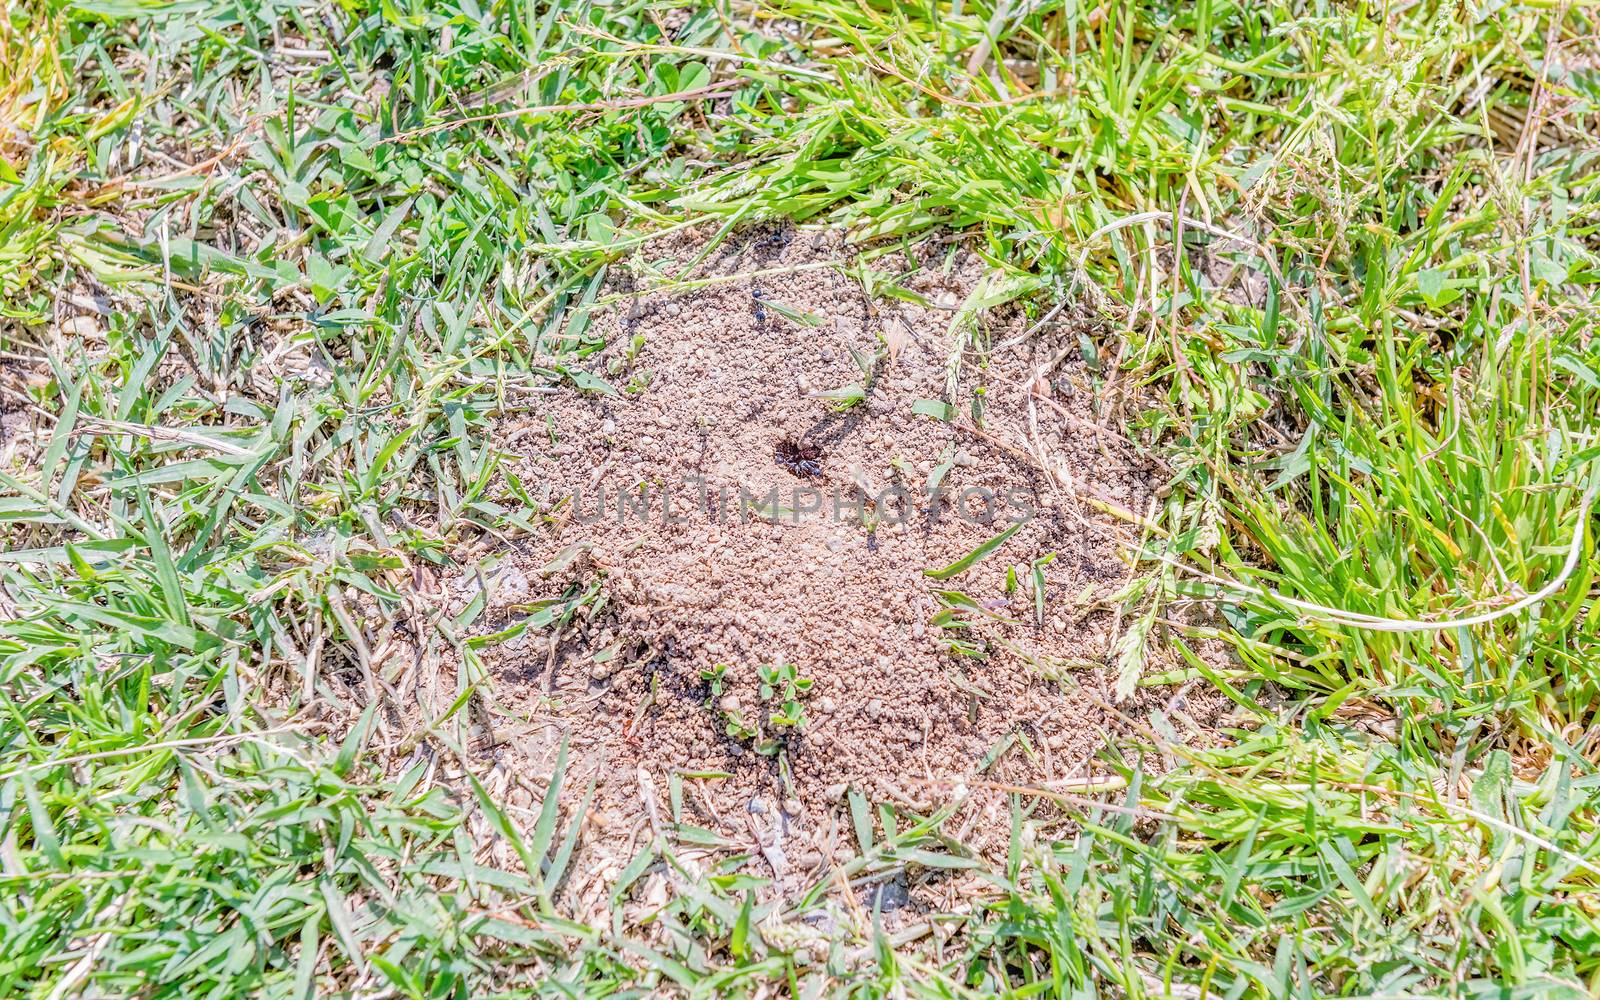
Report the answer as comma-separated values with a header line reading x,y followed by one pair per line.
x,y
778,528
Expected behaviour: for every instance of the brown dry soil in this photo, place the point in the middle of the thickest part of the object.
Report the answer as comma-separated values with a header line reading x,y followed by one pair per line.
x,y
722,401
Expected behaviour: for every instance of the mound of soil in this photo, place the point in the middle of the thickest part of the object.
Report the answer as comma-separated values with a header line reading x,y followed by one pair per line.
x,y
789,461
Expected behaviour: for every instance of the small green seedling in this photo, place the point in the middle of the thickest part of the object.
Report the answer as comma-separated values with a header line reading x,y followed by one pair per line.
x,y
780,681
854,394
781,689
733,721
713,679
627,357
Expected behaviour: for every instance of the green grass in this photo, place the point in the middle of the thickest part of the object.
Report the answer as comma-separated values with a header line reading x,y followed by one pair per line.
x,y
270,300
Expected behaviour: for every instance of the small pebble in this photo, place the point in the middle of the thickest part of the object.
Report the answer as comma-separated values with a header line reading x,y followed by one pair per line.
x,y
608,427
81,326
758,806
792,806
673,309
826,705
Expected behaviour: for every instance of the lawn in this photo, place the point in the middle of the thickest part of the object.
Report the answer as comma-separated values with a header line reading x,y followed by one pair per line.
x,y
272,270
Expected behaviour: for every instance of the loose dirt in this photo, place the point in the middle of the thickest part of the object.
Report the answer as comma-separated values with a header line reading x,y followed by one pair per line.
x,y
780,526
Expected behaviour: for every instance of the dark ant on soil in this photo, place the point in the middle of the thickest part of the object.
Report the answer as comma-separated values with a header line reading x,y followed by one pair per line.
x,y
803,460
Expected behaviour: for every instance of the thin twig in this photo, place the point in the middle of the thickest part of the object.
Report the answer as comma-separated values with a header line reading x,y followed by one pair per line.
x,y
93,425
1375,623
1139,219
148,748
550,109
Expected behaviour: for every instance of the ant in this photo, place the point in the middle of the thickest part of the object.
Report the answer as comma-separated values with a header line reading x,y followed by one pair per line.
x,y
803,460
